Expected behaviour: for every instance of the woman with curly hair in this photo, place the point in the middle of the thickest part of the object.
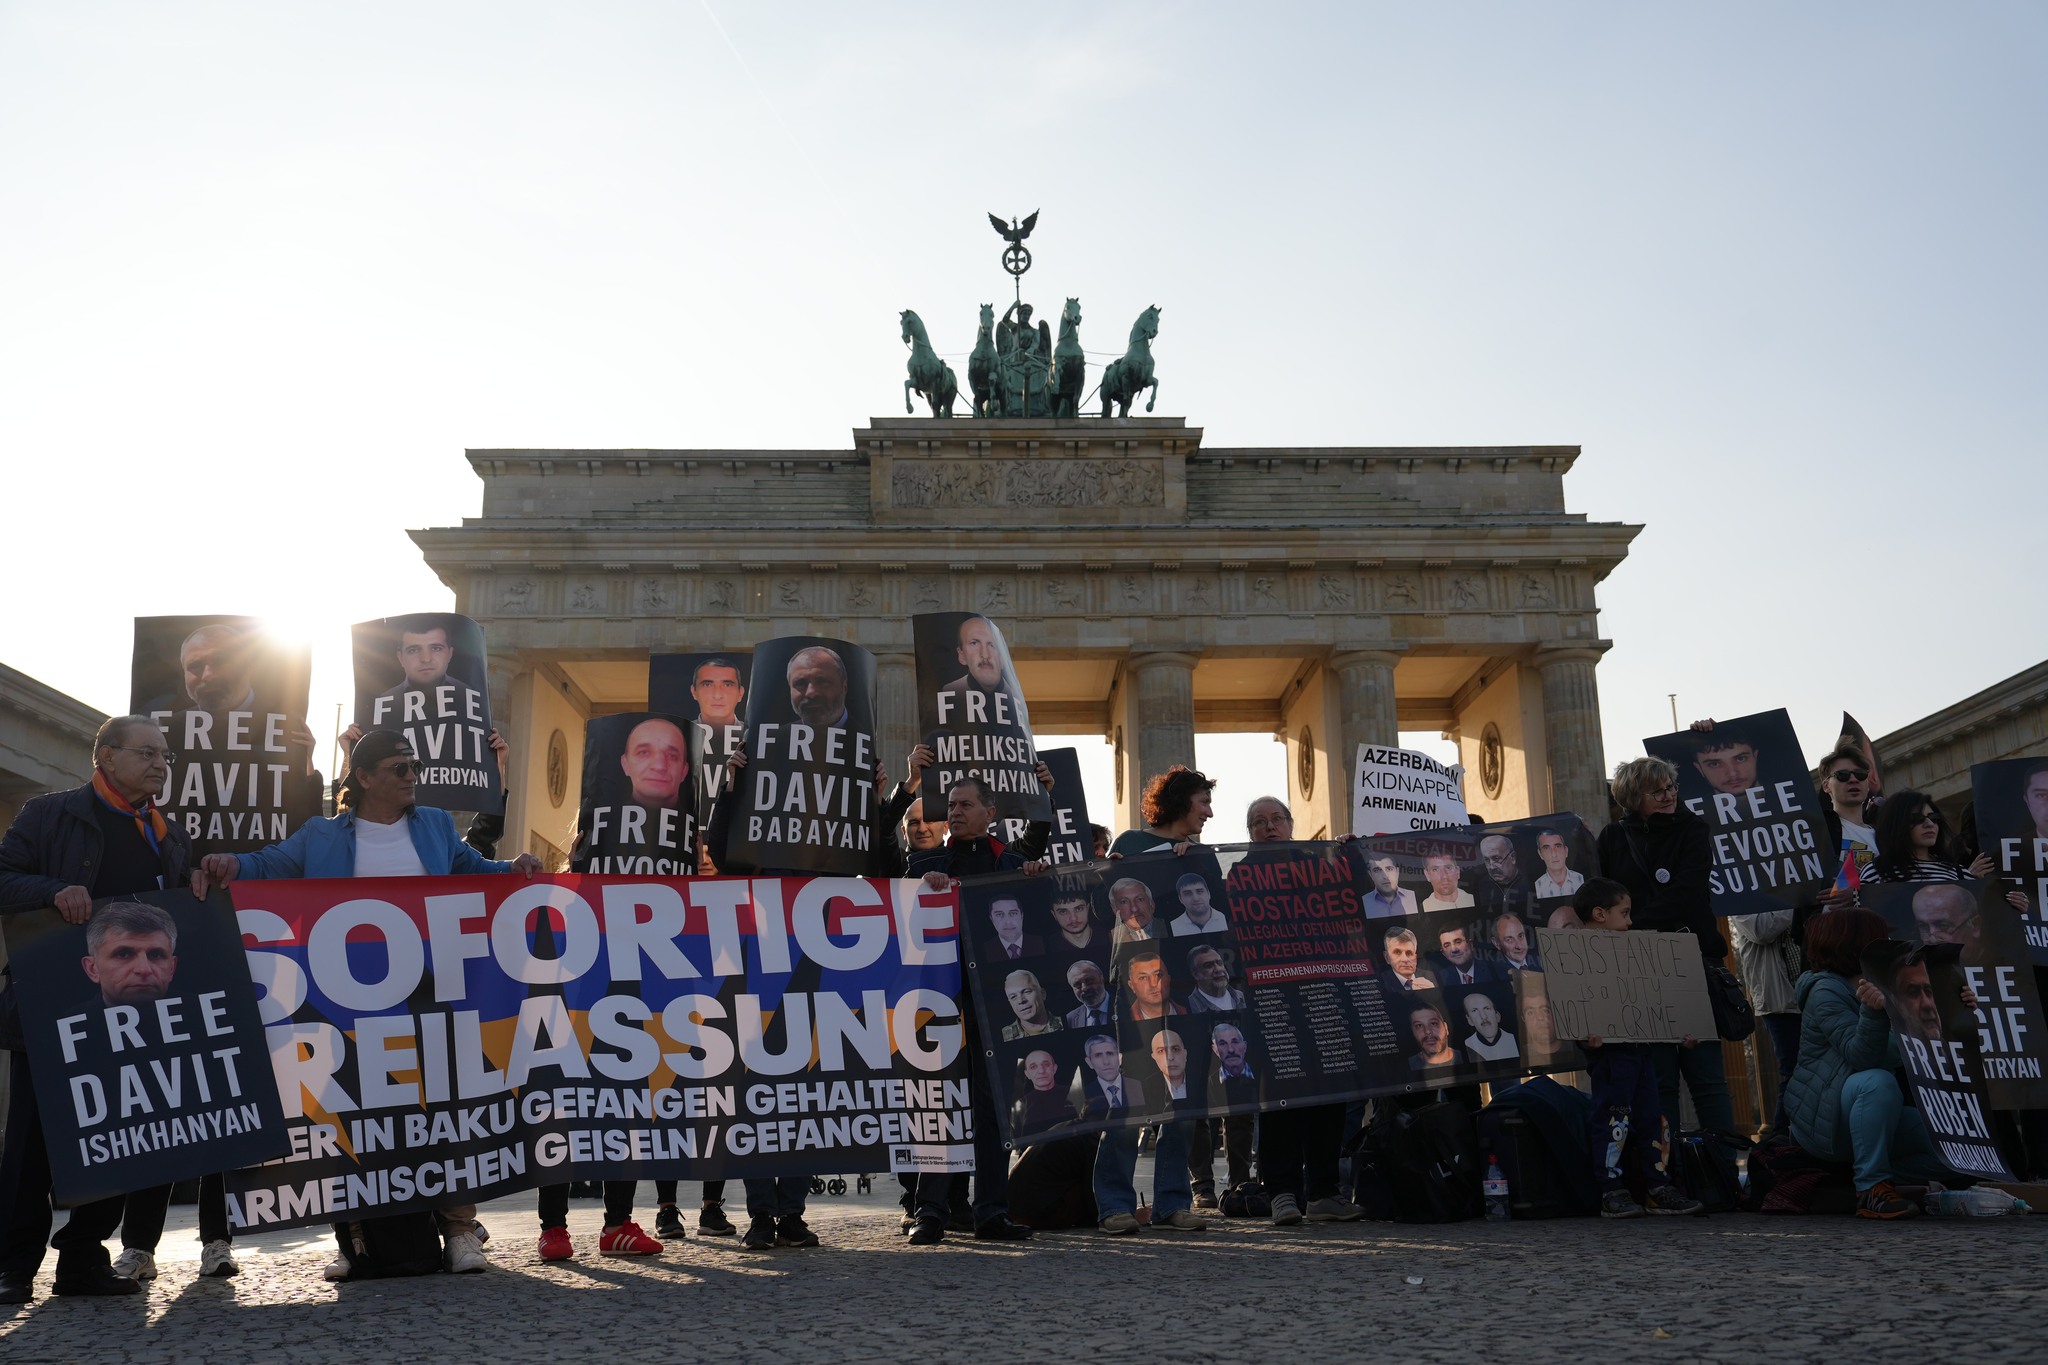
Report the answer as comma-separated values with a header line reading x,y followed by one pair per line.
x,y
1176,805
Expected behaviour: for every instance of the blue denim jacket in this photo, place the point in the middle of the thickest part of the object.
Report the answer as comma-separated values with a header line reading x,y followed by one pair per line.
x,y
326,847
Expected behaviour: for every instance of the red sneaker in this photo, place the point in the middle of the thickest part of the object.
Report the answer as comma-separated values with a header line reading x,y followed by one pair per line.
x,y
627,1240
554,1244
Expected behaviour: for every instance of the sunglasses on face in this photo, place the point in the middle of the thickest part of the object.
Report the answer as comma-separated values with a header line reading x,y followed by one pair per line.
x,y
1848,775
1927,818
403,769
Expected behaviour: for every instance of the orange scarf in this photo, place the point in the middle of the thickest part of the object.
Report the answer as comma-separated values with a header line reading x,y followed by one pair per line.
x,y
149,821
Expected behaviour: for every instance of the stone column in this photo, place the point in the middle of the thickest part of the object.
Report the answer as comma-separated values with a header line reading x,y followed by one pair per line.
x,y
1364,682
511,683
896,710
1571,730
1163,704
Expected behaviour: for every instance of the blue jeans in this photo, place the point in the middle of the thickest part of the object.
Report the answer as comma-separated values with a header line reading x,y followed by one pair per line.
x,y
1887,1140
1116,1170
777,1197
1706,1077
1784,1031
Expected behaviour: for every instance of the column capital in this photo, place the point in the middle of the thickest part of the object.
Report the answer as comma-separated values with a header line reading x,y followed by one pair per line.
x,y
1355,658
1588,651
1162,658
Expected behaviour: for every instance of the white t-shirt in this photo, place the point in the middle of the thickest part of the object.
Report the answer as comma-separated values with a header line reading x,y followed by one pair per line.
x,y
1863,836
387,851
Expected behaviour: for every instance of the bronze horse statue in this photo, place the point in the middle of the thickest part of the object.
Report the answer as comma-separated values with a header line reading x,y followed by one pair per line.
x,y
1126,376
1069,363
981,363
932,377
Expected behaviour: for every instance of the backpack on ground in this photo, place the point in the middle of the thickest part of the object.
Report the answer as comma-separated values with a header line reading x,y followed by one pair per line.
x,y
1422,1165
1706,1167
1786,1178
1247,1200
1537,1132
393,1246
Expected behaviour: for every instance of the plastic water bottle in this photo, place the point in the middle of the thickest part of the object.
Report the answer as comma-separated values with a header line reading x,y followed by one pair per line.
x,y
1496,1193
1979,1201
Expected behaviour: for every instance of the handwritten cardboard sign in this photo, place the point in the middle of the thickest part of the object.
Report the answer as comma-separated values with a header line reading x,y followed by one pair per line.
x,y
1638,987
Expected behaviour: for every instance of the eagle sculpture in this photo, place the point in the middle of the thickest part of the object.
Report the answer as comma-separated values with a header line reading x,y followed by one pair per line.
x,y
1015,233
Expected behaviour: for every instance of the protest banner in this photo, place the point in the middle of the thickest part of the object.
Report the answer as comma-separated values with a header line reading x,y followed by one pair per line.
x,y
1403,789
149,1058
453,1039
1938,1037
1237,979
636,816
1073,840
232,702
1634,987
1992,952
1748,779
971,713
708,692
425,676
2012,826
807,801
1854,736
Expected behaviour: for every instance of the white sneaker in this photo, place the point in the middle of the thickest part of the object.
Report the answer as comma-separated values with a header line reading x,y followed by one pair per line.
x,y
337,1269
217,1260
466,1255
135,1264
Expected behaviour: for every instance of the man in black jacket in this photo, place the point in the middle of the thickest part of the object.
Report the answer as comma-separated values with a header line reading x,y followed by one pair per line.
x,y
64,851
971,851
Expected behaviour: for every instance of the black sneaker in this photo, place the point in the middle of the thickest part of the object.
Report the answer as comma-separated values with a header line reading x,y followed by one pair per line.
x,y
712,1222
667,1222
1669,1199
794,1232
1619,1204
1002,1228
928,1232
760,1235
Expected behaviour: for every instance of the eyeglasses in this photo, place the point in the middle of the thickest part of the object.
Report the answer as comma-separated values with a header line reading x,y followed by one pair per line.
x,y
147,753
405,769
1849,775
1666,790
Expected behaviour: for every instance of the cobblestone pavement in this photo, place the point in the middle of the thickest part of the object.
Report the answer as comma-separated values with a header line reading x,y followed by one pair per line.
x,y
1739,1288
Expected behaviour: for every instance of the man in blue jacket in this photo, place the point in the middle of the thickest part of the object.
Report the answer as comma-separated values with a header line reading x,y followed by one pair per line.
x,y
380,833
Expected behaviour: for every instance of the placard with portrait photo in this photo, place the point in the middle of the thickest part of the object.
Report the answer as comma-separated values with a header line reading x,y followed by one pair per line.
x,y
425,676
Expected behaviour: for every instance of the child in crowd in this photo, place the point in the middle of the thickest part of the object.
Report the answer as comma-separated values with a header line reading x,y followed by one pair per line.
x,y
1627,1115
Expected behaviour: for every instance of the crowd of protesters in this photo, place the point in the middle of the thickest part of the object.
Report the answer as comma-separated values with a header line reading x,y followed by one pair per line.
x,y
1840,1099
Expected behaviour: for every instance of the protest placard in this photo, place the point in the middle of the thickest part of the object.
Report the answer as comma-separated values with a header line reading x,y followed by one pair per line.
x,y
1404,789
1938,1042
1634,987
425,676
971,712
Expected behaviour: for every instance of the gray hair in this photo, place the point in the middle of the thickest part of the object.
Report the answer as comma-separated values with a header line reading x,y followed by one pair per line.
x,y
114,730
1633,780
129,917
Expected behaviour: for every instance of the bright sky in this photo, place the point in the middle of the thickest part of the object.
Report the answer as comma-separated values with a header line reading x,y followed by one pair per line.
x,y
270,267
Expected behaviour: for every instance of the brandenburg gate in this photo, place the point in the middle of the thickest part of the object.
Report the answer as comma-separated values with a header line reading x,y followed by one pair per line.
x,y
1151,587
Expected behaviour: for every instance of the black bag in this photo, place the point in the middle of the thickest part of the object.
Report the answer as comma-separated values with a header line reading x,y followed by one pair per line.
x,y
396,1245
1248,1200
1537,1187
1423,1164
1734,1017
1708,1171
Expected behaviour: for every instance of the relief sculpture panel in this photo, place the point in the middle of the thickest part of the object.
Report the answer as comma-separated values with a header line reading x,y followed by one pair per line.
x,y
1026,483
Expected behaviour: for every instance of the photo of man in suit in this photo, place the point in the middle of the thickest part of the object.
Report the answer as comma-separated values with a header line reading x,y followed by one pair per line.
x,y
1091,988
1006,917
1458,962
1130,900
1105,1091
1511,941
1403,953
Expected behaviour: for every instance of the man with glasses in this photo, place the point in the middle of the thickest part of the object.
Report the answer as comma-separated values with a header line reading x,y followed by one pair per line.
x,y
1845,781
64,851
380,833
